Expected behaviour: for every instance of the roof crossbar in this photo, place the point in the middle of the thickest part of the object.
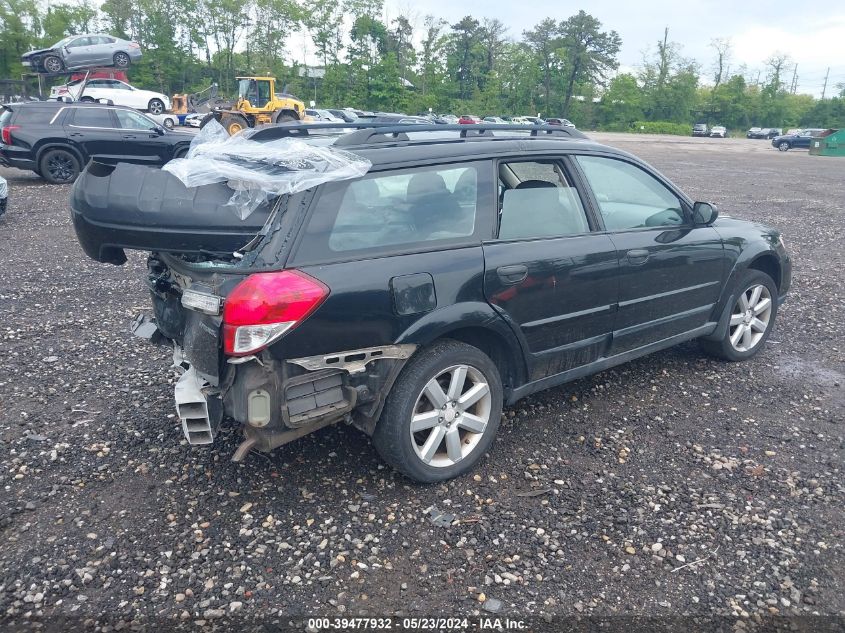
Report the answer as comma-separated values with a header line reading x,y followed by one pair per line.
x,y
361,133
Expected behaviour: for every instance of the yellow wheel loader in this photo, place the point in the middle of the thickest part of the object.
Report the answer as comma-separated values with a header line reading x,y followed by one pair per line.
x,y
258,103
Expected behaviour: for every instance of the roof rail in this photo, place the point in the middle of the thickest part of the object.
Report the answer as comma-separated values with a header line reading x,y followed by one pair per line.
x,y
365,133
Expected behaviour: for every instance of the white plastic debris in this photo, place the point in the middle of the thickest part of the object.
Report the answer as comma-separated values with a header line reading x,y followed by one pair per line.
x,y
259,170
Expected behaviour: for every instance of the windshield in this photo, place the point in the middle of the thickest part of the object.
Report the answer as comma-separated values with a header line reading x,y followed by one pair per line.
x,y
243,87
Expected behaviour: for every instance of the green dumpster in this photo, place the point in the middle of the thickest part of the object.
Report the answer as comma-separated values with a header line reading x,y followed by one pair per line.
x,y
828,143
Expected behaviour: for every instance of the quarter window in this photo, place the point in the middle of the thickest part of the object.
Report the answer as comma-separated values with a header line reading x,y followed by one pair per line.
x,y
409,208
628,196
537,200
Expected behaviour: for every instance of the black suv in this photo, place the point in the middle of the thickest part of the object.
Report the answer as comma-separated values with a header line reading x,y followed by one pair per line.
x,y
466,270
57,139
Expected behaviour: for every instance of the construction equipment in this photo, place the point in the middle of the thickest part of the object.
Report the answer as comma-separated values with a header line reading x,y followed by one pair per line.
x,y
258,103
203,101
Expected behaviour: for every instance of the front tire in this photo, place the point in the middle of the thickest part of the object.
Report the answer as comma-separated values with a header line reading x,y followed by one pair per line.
x,y
59,167
168,123
751,320
234,123
783,146
155,106
442,413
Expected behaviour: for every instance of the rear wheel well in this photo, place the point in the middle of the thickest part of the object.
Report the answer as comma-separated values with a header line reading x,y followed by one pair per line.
x,y
494,346
768,264
68,148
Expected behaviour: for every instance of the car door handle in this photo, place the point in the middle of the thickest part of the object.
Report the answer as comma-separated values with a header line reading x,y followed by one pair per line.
x,y
638,256
129,136
512,274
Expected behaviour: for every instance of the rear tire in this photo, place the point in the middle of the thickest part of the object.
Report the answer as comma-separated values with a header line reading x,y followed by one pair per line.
x,y
155,106
168,123
443,446
121,60
53,64
783,146
752,318
59,167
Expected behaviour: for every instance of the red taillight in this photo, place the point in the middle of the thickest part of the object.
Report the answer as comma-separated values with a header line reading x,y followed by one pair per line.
x,y
6,133
266,305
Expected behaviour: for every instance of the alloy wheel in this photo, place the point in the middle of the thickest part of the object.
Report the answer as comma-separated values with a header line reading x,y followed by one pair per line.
x,y
450,416
750,318
53,64
121,60
60,167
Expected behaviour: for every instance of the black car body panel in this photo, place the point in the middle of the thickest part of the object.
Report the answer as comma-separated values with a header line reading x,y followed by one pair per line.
x,y
36,127
138,207
546,309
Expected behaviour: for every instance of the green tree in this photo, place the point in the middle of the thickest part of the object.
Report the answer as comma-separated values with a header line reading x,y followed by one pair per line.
x,y
622,103
544,39
589,53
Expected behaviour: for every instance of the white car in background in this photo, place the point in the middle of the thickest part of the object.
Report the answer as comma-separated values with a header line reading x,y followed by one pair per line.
x,y
169,121
719,130
116,91
195,119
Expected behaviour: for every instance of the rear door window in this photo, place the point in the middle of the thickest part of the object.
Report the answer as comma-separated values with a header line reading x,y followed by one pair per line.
x,y
93,117
407,209
537,200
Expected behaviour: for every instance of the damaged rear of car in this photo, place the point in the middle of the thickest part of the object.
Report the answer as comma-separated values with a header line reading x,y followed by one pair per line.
x,y
218,301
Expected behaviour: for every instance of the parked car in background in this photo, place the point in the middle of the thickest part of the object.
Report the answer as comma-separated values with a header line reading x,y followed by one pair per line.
x,y
494,119
344,115
719,131
793,130
534,120
450,119
83,51
195,119
455,277
764,132
801,139
114,90
392,117
562,122
468,119
4,195
700,129
56,140
169,121
325,116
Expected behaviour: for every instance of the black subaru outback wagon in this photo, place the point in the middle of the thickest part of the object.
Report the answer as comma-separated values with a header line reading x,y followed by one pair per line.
x,y
466,270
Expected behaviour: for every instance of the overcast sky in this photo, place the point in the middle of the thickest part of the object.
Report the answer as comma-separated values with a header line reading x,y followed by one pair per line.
x,y
812,32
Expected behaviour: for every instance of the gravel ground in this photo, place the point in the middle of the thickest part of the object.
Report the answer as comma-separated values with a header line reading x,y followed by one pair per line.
x,y
673,485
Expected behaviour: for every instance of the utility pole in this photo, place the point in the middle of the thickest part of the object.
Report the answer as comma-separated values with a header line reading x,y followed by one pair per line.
x,y
826,75
794,85
757,81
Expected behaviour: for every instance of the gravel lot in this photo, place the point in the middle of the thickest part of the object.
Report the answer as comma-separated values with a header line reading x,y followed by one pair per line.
x,y
673,485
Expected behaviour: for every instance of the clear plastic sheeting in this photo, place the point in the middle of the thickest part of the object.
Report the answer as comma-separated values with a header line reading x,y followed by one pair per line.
x,y
257,171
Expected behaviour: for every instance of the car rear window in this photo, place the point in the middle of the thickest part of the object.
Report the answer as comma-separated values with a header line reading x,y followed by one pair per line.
x,y
35,115
401,209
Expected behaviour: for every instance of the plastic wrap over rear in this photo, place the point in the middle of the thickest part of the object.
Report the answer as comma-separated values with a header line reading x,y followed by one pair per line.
x,y
257,170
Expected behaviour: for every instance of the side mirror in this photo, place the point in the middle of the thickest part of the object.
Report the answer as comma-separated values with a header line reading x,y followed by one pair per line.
x,y
158,130
704,213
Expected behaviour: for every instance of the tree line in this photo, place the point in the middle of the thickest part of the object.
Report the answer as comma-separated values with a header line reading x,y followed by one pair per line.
x,y
566,68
